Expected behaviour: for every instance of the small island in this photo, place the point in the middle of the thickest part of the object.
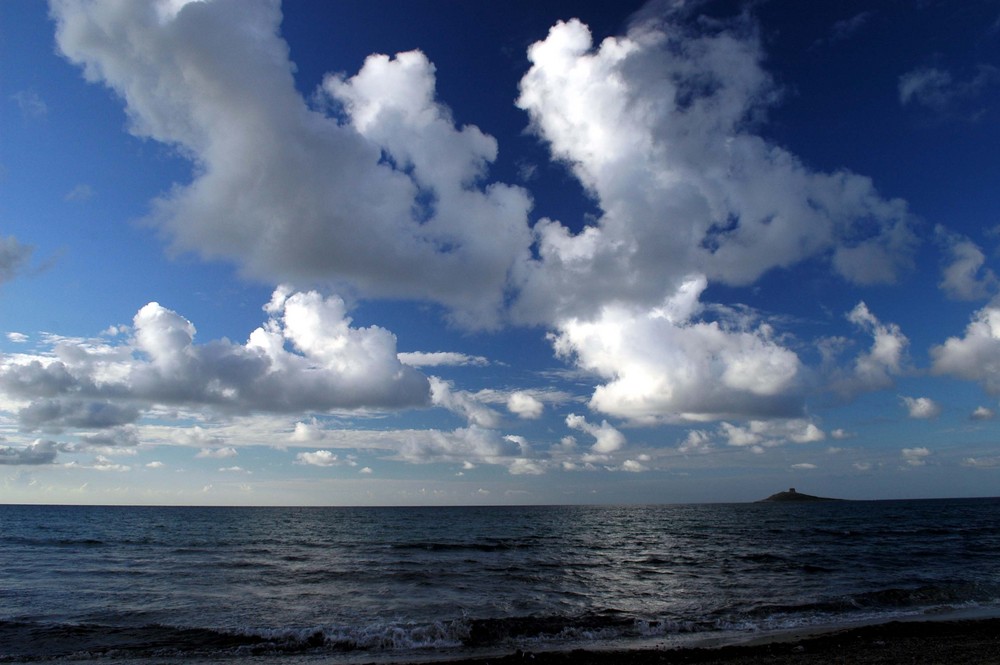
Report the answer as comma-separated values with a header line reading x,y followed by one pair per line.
x,y
792,496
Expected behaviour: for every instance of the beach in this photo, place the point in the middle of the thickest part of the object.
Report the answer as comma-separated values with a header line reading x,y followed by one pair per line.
x,y
966,641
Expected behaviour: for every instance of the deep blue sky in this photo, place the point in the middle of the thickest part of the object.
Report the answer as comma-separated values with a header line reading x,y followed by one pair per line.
x,y
735,247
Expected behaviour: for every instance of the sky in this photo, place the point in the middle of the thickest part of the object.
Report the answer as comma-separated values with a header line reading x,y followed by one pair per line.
x,y
382,253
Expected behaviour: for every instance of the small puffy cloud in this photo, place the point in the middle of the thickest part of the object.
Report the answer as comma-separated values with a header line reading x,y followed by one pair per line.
x,y
217,453
608,439
840,434
964,277
633,466
307,432
365,470
525,405
804,466
921,408
982,413
440,359
697,441
915,456
233,469
102,463
976,356
463,403
317,458
759,434
17,338
155,464
14,257
886,359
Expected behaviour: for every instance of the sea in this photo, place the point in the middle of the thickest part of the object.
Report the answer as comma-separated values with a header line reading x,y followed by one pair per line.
x,y
368,585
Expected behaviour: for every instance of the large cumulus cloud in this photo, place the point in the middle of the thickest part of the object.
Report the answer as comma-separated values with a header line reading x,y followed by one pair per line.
x,y
659,127
383,194
660,364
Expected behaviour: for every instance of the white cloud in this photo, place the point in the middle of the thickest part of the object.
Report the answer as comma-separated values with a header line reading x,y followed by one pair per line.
x,y
921,408
976,356
385,193
658,126
307,432
217,453
233,469
804,466
525,405
17,338
473,444
608,439
982,413
306,358
840,434
156,464
440,358
367,470
697,441
463,403
381,192
318,458
660,366
915,456
964,277
768,433
886,359
102,463
633,466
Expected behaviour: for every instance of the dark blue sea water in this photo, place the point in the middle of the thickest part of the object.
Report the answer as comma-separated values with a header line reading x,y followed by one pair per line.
x,y
368,584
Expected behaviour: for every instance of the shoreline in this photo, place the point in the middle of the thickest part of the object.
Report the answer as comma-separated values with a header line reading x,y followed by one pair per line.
x,y
913,640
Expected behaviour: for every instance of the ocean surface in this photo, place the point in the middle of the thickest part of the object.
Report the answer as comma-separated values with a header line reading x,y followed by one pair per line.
x,y
300,585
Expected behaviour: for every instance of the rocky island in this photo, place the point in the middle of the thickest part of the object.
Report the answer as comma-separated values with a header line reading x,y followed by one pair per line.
x,y
792,496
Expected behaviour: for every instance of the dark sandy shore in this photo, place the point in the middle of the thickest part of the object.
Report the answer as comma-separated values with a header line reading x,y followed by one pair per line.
x,y
968,641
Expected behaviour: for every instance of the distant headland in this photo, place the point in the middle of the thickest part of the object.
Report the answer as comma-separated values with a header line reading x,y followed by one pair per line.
x,y
792,496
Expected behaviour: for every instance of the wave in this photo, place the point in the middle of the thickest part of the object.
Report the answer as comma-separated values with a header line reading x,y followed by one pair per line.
x,y
26,640
37,641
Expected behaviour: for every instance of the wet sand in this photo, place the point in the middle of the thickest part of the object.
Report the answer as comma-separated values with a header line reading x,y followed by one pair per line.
x,y
968,641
